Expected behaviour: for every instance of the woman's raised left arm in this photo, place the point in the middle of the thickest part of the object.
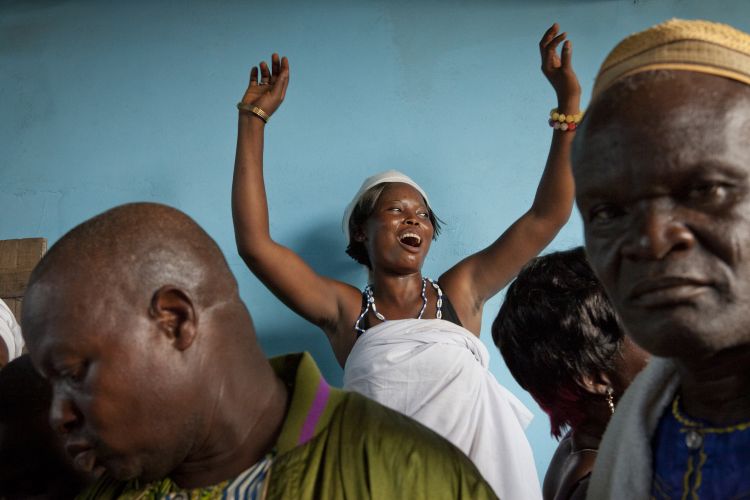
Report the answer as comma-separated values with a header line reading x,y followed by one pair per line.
x,y
474,280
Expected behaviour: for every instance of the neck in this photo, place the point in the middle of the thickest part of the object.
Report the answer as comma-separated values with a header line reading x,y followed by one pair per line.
x,y
588,434
717,387
247,418
397,288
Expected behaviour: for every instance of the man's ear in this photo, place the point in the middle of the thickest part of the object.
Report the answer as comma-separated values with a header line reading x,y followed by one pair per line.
x,y
175,315
597,383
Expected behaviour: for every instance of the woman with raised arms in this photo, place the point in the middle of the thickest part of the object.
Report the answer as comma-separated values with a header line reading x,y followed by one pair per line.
x,y
406,341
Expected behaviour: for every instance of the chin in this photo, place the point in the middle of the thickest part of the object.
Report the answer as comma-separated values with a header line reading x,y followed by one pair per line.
x,y
686,332
125,470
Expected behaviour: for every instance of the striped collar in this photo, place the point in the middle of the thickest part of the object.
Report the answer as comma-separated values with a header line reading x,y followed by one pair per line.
x,y
311,400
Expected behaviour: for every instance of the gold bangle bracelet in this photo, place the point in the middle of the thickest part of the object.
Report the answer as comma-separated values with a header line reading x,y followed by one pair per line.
x,y
254,110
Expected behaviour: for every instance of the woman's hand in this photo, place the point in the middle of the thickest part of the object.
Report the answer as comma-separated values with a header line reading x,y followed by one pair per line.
x,y
269,92
559,70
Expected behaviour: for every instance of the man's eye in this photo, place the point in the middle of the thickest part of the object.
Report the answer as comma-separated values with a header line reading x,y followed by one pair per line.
x,y
75,374
394,209
424,215
709,192
604,213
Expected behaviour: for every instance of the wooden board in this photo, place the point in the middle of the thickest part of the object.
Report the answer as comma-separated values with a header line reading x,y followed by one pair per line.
x,y
17,260
15,307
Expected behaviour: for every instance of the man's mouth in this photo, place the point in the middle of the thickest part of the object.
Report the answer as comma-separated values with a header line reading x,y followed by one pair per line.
x,y
667,291
83,456
410,239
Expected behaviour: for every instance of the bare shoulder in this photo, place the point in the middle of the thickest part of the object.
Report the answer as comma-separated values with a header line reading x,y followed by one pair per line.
x,y
341,333
457,287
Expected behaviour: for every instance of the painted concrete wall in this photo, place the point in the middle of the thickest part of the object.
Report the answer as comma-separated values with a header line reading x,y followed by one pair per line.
x,y
109,102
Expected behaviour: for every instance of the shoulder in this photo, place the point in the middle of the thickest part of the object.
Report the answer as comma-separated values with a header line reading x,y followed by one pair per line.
x,y
104,488
634,423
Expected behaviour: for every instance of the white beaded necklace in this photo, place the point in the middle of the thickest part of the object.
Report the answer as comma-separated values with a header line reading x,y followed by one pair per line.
x,y
369,297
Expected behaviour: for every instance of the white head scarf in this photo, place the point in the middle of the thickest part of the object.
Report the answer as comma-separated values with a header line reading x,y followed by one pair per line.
x,y
10,332
370,182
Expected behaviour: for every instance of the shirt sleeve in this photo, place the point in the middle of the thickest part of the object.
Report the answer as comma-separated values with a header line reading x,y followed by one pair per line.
x,y
10,332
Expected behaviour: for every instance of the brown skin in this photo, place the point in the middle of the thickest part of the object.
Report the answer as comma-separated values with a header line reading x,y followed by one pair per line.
x,y
3,354
334,306
662,171
135,320
570,461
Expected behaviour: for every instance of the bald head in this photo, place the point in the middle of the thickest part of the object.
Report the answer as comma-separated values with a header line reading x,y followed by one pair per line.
x,y
133,249
135,318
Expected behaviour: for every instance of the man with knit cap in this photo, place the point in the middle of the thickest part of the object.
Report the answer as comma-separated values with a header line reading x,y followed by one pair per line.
x,y
662,172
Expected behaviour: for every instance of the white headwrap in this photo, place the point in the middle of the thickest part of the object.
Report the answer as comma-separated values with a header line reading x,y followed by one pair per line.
x,y
10,332
370,182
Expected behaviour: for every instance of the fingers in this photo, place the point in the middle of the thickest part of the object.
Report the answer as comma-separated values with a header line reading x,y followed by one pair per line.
x,y
278,72
567,53
548,35
549,54
552,45
282,81
265,73
275,67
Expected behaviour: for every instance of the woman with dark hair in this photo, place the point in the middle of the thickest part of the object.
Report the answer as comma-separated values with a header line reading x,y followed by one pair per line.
x,y
562,342
407,341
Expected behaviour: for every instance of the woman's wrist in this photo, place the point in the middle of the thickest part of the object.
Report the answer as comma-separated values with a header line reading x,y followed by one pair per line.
x,y
569,105
250,122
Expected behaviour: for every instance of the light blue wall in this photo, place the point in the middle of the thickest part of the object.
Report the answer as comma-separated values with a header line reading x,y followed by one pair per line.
x,y
104,103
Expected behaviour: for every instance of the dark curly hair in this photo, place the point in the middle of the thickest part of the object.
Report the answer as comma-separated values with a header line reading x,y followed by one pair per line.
x,y
555,327
362,210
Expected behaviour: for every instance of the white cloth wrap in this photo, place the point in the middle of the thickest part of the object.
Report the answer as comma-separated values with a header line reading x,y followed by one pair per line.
x,y
371,182
10,332
437,373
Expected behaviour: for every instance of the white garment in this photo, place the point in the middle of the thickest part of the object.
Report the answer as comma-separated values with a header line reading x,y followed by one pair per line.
x,y
624,465
10,332
436,372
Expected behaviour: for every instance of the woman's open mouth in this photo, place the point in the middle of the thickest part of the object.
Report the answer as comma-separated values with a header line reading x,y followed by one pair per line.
x,y
410,239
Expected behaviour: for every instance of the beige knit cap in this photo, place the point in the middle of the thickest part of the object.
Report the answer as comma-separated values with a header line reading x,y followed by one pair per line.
x,y
701,46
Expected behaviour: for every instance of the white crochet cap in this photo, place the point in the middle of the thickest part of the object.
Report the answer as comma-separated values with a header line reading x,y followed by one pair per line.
x,y
370,182
10,332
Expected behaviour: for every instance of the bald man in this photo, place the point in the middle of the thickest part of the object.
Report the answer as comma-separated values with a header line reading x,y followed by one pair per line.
x,y
662,172
160,387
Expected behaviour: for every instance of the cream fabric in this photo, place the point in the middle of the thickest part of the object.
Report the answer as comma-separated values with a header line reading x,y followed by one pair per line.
x,y
437,373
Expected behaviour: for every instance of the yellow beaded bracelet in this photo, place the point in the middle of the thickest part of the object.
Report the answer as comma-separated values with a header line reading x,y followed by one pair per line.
x,y
555,115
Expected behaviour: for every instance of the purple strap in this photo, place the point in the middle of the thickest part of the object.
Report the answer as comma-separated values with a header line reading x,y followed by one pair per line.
x,y
316,410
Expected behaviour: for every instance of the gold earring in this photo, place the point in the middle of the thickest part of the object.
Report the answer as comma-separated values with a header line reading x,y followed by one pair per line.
x,y
611,400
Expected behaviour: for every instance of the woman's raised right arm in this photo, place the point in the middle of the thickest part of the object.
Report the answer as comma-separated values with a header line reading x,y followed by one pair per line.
x,y
314,297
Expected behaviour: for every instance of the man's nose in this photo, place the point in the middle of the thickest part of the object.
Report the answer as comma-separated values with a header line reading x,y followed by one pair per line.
x,y
63,416
659,230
